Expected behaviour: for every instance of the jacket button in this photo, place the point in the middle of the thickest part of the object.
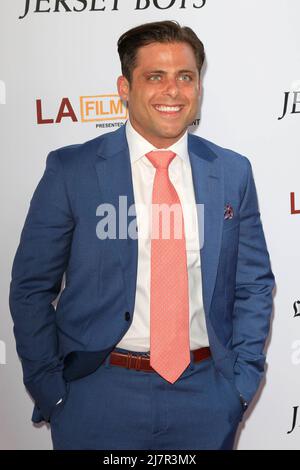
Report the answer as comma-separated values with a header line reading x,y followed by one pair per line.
x,y
127,316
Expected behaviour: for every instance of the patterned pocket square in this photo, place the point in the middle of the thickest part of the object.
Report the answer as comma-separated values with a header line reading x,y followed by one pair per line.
x,y
228,212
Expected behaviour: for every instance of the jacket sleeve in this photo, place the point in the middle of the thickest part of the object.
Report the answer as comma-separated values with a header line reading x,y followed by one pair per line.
x,y
37,273
253,295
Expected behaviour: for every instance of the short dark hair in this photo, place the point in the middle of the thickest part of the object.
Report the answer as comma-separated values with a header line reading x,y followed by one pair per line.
x,y
159,31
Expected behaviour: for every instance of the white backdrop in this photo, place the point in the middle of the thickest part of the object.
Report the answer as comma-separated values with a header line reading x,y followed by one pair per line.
x,y
252,52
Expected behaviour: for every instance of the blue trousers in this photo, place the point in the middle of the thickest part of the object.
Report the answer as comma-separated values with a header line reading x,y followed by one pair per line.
x,y
117,408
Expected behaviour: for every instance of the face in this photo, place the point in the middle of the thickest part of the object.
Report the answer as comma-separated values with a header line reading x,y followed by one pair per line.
x,y
164,92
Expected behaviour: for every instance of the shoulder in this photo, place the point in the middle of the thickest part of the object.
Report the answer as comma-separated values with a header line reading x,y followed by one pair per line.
x,y
229,158
82,150
83,154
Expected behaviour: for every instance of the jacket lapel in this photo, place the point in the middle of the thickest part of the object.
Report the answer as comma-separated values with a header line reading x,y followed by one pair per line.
x,y
115,180
209,191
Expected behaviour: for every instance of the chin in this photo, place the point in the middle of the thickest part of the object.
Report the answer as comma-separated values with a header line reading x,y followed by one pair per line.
x,y
172,134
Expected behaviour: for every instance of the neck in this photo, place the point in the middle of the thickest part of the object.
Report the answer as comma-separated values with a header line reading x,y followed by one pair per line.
x,y
156,141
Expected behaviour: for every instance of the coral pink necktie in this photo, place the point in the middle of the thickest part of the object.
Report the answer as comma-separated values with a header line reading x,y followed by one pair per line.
x,y
169,299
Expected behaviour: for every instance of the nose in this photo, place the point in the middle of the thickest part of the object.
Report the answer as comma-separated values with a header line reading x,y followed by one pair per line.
x,y
171,87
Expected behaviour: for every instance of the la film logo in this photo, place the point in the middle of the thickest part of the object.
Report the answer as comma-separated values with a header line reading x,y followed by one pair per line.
x,y
294,210
93,108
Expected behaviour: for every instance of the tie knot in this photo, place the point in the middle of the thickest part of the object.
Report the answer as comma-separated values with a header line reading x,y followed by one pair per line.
x,y
161,158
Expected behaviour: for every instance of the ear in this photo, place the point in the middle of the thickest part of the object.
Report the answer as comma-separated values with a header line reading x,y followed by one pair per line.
x,y
123,88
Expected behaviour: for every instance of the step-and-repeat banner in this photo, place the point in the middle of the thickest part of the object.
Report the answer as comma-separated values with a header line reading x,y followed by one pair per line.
x,y
58,71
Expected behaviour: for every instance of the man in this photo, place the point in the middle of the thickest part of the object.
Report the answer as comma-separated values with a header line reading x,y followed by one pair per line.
x,y
157,341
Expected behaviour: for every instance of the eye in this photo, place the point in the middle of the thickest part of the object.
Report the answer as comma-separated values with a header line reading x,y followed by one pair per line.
x,y
185,78
155,78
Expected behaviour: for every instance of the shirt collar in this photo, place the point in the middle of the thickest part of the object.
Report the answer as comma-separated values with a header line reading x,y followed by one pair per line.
x,y
139,146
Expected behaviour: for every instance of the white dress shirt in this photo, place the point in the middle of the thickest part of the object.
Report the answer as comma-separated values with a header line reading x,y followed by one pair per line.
x,y
137,337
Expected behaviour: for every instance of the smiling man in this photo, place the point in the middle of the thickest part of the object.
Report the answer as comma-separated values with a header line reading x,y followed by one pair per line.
x,y
156,341
162,91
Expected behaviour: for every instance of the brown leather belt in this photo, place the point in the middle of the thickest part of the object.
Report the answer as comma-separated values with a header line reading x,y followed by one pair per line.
x,y
136,361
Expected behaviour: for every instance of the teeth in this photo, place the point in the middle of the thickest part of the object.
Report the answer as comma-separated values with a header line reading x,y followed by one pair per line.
x,y
170,109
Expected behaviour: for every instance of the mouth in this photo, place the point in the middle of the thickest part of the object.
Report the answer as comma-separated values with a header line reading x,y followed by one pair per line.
x,y
168,110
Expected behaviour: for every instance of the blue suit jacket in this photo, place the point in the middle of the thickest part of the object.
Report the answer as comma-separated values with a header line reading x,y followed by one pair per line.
x,y
96,306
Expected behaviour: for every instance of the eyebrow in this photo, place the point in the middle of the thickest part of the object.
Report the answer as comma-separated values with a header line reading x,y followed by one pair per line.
x,y
187,71
164,71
